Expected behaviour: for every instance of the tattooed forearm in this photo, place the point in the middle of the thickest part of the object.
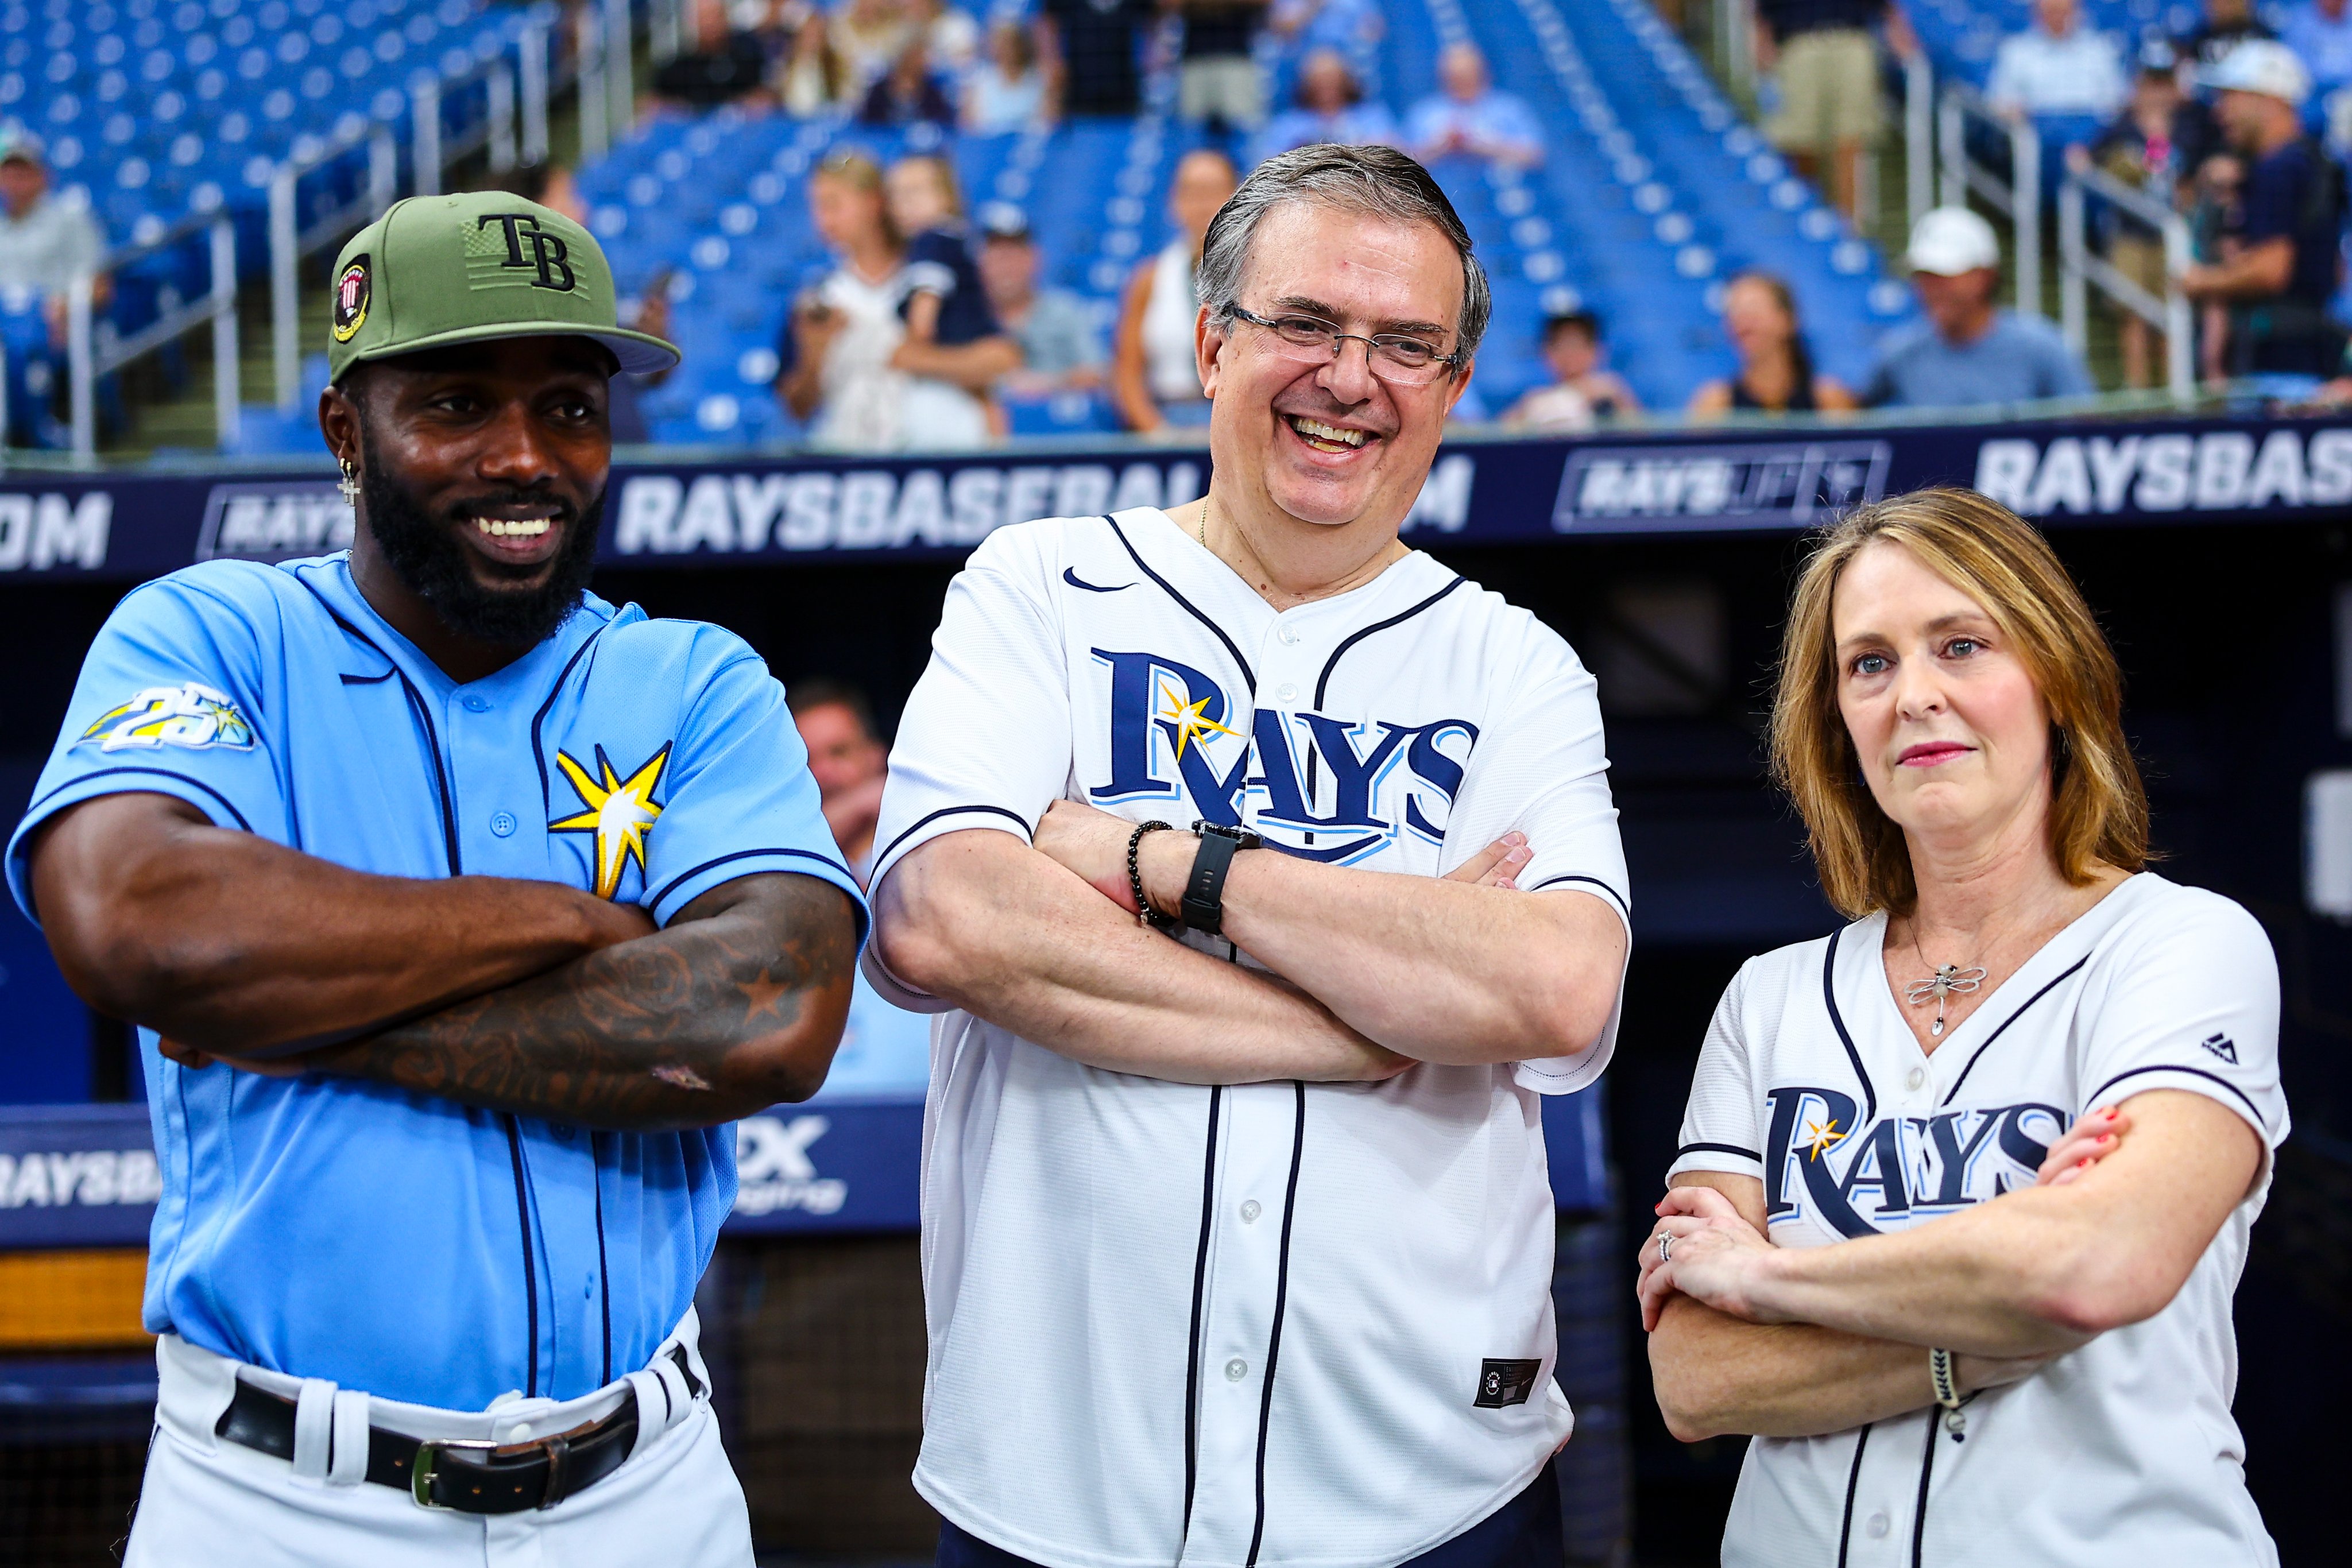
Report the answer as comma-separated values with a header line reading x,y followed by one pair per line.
x,y
737,1005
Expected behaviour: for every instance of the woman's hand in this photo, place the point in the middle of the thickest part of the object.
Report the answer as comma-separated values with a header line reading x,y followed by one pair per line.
x,y
1714,1257
2084,1144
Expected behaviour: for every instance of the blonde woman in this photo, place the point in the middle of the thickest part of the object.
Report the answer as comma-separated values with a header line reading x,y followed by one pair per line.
x,y
1943,1361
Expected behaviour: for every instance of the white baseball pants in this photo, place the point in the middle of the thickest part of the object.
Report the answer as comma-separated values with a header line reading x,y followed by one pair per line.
x,y
206,1501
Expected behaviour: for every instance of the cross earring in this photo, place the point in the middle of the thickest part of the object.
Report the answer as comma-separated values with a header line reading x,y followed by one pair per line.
x,y
349,484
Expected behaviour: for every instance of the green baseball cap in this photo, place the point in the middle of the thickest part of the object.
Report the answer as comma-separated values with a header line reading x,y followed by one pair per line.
x,y
437,270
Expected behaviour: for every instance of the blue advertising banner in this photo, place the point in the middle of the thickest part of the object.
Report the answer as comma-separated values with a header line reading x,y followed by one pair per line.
x,y
721,510
85,1175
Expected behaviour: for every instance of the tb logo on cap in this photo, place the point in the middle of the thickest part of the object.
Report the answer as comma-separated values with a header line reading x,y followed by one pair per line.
x,y
547,257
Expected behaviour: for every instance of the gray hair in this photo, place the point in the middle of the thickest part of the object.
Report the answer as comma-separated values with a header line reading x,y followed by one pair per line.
x,y
1378,181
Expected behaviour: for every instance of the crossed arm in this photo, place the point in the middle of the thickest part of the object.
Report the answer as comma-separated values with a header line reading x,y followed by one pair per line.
x,y
1796,1341
515,995
1366,972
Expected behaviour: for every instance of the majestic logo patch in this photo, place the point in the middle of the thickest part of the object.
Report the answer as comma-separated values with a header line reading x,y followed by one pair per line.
x,y
519,246
1504,1382
620,812
190,715
2223,1046
351,301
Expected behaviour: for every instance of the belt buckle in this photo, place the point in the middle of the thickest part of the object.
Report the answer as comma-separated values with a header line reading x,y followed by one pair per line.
x,y
420,1480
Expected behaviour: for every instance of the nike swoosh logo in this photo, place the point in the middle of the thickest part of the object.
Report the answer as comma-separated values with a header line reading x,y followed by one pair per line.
x,y
1070,576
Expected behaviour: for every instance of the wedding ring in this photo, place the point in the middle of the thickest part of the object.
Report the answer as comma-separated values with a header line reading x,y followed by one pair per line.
x,y
1666,1244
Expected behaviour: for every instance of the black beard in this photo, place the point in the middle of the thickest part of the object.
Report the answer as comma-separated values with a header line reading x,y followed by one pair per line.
x,y
430,562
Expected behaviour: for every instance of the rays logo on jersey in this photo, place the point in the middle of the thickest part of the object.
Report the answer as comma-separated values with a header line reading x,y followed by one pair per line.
x,y
1382,777
1860,1181
191,716
619,812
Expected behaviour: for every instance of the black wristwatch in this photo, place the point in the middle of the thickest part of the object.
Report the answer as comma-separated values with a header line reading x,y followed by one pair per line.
x,y
1203,908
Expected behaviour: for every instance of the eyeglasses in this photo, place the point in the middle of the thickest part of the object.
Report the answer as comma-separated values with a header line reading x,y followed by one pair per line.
x,y
1396,359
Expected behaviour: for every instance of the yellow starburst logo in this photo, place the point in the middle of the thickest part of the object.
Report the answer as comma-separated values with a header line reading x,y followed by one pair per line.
x,y
1822,1135
1190,723
620,812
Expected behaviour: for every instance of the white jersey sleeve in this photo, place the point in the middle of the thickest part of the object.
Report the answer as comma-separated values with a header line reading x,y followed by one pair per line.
x,y
1541,767
1721,1127
2193,1004
985,739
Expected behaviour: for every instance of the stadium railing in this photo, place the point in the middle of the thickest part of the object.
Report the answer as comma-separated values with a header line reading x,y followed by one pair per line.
x,y
86,358
2082,268
2017,197
290,240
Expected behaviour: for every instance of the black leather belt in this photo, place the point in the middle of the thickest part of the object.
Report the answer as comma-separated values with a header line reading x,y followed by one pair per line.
x,y
468,1475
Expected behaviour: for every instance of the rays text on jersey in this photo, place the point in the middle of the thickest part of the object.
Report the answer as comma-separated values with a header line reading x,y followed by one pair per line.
x,y
1331,788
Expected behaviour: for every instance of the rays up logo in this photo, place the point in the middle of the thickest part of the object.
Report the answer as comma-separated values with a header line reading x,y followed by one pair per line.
x,y
1860,1181
1173,735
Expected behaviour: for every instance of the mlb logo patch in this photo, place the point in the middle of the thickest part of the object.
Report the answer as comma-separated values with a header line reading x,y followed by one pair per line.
x,y
2223,1046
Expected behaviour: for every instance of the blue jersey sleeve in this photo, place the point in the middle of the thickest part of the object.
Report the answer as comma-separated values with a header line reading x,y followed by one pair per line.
x,y
741,800
175,699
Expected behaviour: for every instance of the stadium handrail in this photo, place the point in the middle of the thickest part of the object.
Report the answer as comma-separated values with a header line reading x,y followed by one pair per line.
x,y
1918,134
2018,198
289,242
86,360
2080,269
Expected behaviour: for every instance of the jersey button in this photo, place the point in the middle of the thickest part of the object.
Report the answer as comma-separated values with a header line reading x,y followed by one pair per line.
x,y
1875,1526
1286,692
1289,636
502,823
1250,1211
1914,1078
475,704
1236,1369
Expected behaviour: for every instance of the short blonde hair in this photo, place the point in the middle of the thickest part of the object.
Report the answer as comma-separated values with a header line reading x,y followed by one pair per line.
x,y
2098,812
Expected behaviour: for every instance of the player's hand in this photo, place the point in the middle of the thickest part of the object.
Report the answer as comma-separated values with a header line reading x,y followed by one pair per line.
x,y
1714,1256
2084,1144
612,923
1496,865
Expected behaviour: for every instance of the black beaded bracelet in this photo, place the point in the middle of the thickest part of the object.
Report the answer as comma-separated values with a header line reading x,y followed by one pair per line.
x,y
1145,915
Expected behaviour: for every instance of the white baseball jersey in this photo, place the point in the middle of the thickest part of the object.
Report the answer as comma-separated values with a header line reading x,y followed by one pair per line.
x,y
1275,1323
2122,1452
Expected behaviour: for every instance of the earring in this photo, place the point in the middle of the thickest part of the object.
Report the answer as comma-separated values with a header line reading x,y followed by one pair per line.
x,y
350,483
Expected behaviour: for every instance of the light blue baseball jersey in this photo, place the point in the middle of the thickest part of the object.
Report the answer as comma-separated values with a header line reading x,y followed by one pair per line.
x,y
409,1246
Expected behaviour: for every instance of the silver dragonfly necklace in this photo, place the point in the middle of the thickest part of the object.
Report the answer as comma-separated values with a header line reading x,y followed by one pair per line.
x,y
1939,987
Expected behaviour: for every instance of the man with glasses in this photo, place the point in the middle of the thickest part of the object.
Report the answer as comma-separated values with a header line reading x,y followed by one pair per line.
x,y
1237,1233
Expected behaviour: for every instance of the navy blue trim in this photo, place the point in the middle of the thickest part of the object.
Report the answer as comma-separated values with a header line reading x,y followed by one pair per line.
x,y
2011,1019
673,884
367,680
197,784
1852,1483
1717,1148
538,719
1324,682
1614,896
417,706
603,1270
1070,575
1829,995
529,1265
1274,1335
1199,1293
1249,677
2100,1093
440,778
1026,831
1927,1468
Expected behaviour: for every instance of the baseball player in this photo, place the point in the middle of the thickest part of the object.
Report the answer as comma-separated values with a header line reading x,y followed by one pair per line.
x,y
460,913
1268,871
